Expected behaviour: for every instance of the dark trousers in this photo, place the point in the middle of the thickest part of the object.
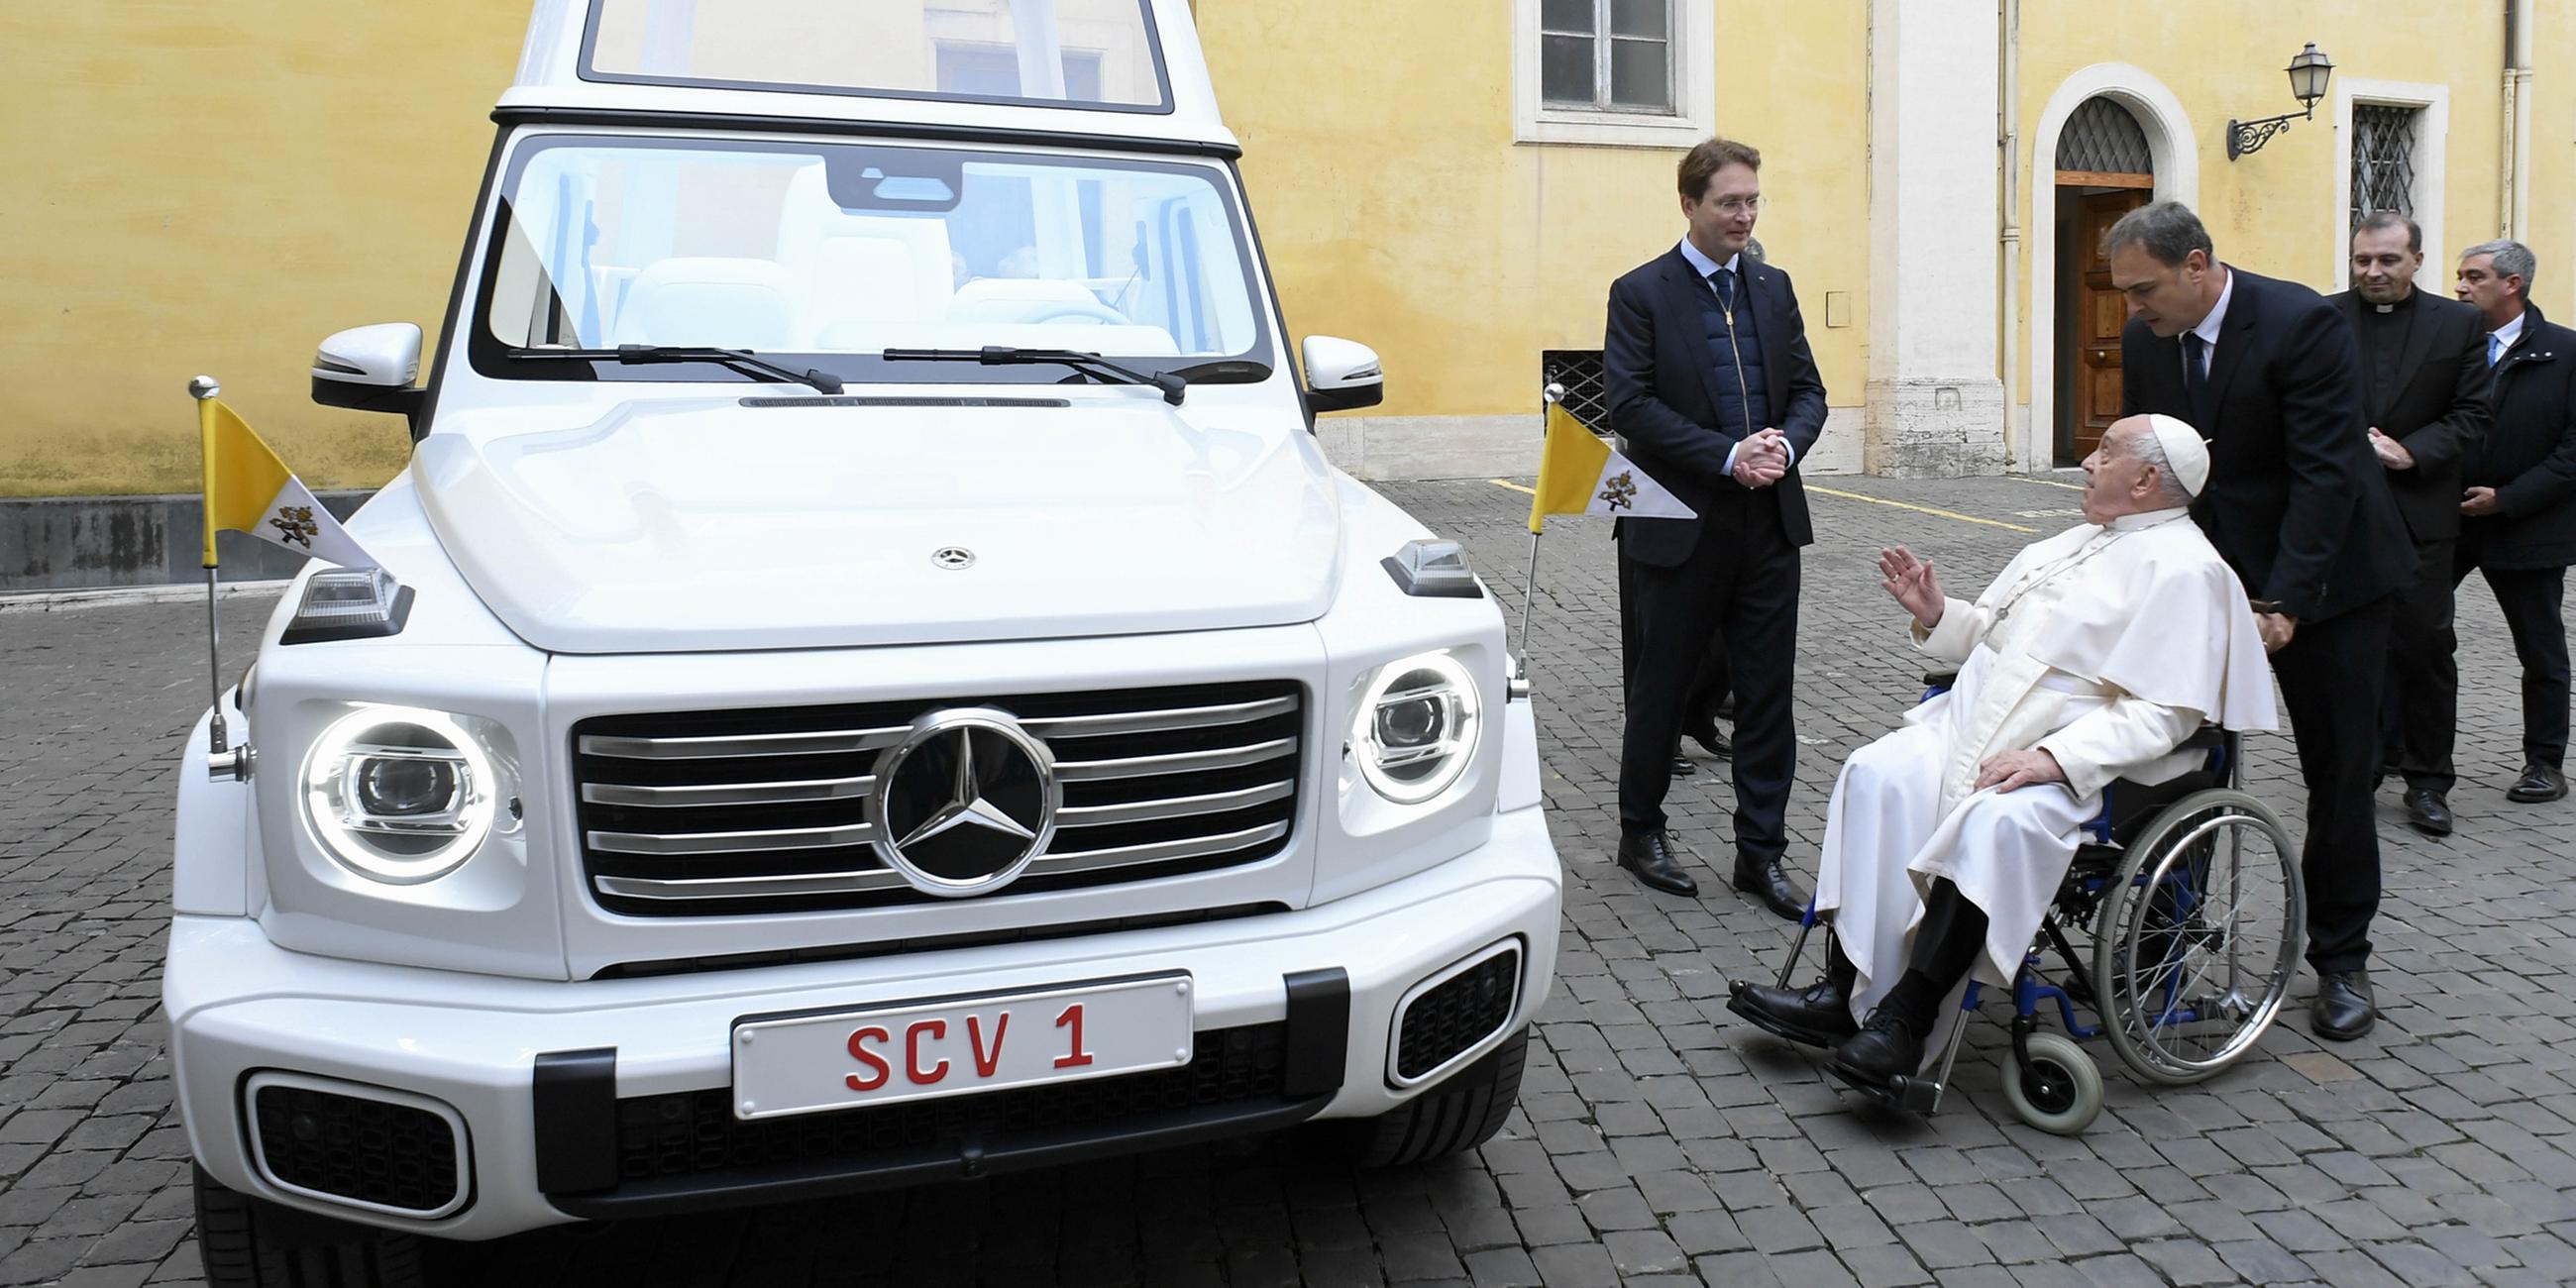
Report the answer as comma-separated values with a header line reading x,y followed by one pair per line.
x,y
2422,707
2532,600
2330,675
1740,580
1709,688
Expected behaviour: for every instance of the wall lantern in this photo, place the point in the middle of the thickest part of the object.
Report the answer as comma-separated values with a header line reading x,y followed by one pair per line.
x,y
2308,75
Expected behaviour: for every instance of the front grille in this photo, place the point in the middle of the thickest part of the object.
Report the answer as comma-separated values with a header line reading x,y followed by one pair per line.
x,y
693,1134
1456,1014
730,812
351,1147
933,943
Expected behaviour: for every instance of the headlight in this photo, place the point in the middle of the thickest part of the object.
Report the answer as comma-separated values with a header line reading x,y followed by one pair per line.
x,y
400,794
1416,728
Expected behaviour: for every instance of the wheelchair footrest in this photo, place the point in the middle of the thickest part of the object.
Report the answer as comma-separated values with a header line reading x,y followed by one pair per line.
x,y
1912,1093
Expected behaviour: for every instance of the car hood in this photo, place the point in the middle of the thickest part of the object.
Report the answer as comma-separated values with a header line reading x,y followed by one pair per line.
x,y
711,524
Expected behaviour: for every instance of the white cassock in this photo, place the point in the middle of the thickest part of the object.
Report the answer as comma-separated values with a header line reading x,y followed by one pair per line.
x,y
2106,645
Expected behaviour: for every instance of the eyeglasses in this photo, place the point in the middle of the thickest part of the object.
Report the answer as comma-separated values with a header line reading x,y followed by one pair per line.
x,y
1740,206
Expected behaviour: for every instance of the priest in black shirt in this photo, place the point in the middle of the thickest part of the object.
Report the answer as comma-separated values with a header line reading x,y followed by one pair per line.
x,y
2424,384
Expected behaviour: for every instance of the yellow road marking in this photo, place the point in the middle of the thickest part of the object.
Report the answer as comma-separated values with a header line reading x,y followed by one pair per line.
x,y
1921,509
1525,491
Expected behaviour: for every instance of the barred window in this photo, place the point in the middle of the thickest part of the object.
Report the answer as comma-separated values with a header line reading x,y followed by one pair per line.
x,y
1606,55
2383,160
1587,392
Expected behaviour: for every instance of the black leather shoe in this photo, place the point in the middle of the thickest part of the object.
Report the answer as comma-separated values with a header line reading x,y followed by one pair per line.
x,y
2428,812
1714,741
1818,1015
2538,783
2343,1009
1883,1049
1682,767
1769,884
1650,855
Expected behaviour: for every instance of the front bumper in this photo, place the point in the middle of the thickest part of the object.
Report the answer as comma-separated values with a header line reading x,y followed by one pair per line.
x,y
549,1078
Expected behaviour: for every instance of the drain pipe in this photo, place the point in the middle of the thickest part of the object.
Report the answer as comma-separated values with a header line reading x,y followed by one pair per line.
x,y
2515,199
2008,116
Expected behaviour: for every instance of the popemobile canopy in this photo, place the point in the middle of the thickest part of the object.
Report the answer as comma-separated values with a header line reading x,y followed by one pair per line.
x,y
1124,71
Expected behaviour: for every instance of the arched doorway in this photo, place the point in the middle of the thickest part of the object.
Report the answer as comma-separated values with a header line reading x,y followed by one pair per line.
x,y
2105,169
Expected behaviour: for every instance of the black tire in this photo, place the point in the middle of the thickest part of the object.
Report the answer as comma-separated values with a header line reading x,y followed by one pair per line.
x,y
249,1242
1461,1113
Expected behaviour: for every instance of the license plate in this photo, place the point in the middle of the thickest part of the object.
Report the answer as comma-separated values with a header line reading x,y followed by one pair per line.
x,y
849,1059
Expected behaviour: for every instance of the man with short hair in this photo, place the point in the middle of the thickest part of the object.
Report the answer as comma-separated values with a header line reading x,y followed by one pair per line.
x,y
2298,505
2091,657
2518,523
2424,396
1712,385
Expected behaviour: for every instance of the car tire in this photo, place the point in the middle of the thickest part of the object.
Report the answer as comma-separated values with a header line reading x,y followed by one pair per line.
x,y
249,1242
1459,1114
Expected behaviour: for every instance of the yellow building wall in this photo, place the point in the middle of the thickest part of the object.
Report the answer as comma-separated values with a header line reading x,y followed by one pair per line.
x,y
190,187
1397,210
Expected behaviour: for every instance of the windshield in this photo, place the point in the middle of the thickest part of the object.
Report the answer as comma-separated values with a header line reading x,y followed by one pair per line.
x,y
832,253
1098,54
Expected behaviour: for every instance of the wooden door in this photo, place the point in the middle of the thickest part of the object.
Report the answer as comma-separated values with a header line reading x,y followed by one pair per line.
x,y
2099,315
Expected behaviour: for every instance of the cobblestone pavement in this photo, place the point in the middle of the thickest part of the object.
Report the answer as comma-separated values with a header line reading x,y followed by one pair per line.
x,y
1657,1141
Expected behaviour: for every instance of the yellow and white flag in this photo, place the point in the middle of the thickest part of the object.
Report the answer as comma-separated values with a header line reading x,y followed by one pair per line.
x,y
1579,474
249,490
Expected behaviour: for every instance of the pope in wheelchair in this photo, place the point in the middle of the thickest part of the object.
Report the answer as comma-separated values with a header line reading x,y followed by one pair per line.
x,y
2095,656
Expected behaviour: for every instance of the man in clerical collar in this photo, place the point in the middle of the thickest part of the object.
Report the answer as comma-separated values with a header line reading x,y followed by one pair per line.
x,y
2424,389
2092,657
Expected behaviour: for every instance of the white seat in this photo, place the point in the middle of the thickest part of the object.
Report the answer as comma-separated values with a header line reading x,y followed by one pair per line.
x,y
705,300
859,268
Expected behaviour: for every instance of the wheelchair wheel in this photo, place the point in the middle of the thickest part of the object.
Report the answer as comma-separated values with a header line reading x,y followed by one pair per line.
x,y
2058,1091
2200,932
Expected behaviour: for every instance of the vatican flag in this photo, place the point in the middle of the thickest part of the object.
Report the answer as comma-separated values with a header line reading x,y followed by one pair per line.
x,y
1579,474
249,490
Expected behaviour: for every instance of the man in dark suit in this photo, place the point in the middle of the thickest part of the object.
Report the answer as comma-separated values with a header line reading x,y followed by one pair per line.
x,y
1713,386
2519,507
2297,504
2424,396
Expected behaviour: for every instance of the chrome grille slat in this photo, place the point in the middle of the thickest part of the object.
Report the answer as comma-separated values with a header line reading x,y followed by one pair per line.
x,y
1173,807
769,811
701,794
733,746
1157,721
788,838
1075,771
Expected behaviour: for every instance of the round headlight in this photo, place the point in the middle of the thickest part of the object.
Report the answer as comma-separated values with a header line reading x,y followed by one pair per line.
x,y
1416,728
399,794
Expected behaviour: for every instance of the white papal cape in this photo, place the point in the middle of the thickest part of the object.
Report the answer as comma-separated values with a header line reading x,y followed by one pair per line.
x,y
2107,645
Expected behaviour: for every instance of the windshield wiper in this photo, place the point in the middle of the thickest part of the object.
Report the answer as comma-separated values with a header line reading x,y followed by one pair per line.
x,y
1173,387
742,360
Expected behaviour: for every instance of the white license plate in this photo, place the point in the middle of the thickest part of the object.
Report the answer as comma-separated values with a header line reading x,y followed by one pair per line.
x,y
848,1059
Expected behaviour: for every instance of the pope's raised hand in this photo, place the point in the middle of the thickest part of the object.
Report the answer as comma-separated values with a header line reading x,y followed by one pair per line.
x,y
1910,581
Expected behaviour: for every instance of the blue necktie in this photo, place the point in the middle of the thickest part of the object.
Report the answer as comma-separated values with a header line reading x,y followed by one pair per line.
x,y
1724,280
2495,348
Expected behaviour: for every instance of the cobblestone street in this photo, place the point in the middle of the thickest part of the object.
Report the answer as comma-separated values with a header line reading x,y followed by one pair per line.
x,y
1658,1140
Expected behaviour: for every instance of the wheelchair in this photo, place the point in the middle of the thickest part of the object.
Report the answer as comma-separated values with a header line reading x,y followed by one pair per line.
x,y
2189,895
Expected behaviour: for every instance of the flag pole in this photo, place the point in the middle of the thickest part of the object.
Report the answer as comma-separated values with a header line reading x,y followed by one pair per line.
x,y
220,762
1551,395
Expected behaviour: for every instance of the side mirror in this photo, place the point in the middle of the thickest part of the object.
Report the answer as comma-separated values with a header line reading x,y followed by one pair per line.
x,y
370,368
1342,375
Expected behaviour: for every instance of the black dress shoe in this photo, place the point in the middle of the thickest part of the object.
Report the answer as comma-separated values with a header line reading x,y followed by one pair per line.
x,y
1883,1049
2538,783
1650,855
1682,766
1714,741
1770,886
2343,1009
2428,812
1818,1015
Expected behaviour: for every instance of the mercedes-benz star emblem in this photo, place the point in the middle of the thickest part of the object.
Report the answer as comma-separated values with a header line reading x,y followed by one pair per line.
x,y
965,802
953,558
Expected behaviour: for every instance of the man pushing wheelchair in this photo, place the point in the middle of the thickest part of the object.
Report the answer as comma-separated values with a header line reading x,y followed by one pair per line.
x,y
2092,658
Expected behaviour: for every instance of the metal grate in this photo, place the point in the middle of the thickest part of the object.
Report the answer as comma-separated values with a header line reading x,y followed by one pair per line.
x,y
2383,160
393,1156
1461,1012
2103,137
1587,391
694,1133
761,811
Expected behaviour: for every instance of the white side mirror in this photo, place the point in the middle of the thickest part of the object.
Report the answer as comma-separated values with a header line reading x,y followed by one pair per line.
x,y
1342,375
369,368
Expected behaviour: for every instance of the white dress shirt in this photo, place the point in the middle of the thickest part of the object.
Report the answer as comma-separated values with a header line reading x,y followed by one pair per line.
x,y
2208,330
